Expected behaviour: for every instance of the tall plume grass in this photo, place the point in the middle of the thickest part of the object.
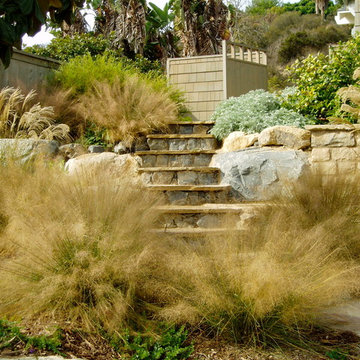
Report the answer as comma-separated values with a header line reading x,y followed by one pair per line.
x,y
64,106
75,249
127,109
80,253
272,281
21,117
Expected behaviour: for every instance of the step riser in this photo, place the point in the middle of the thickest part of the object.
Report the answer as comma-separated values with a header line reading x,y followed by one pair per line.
x,y
182,144
190,129
170,160
194,197
206,221
180,178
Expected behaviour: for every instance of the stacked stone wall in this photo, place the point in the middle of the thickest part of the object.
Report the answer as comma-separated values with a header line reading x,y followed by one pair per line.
x,y
335,149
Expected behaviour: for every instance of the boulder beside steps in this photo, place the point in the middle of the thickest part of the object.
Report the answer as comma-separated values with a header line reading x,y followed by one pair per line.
x,y
177,167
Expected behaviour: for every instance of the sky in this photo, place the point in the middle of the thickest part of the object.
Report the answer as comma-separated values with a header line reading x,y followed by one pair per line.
x,y
44,37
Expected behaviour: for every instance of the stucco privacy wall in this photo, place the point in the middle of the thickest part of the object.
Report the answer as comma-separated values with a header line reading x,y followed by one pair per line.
x,y
26,70
335,149
208,80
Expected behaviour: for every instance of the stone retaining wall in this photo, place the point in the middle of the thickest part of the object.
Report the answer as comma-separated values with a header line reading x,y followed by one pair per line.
x,y
335,149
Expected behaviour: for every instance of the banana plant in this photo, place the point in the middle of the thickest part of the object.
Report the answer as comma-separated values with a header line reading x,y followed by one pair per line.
x,y
161,41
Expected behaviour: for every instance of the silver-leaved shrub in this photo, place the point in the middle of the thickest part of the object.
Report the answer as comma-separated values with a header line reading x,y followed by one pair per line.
x,y
251,113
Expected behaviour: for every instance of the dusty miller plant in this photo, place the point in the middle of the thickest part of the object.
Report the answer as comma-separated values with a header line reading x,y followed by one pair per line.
x,y
251,113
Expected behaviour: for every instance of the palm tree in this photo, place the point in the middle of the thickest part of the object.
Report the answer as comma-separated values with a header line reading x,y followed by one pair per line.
x,y
201,25
126,20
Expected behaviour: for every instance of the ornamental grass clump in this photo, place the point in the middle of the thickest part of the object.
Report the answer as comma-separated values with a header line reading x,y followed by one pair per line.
x,y
251,113
127,110
21,117
270,283
77,249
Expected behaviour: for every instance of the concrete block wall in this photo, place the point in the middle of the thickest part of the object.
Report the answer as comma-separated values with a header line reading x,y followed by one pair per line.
x,y
26,71
335,149
201,79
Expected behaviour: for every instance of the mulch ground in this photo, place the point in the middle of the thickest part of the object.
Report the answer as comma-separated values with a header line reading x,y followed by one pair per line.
x,y
94,347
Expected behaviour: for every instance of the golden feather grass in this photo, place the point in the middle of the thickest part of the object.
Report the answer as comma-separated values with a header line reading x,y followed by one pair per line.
x,y
21,117
127,109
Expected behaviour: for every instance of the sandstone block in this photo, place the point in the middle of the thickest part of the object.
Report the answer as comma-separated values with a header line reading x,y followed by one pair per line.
x,y
238,140
332,139
288,136
320,154
345,153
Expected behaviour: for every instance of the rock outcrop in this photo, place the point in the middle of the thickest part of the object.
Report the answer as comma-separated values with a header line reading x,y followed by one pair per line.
x,y
238,140
24,150
107,164
259,174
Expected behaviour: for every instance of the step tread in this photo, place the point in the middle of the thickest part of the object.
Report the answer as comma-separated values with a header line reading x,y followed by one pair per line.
x,y
189,187
175,152
179,168
195,231
180,136
208,208
192,123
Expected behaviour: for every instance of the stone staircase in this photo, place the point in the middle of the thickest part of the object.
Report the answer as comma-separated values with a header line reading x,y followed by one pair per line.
x,y
177,167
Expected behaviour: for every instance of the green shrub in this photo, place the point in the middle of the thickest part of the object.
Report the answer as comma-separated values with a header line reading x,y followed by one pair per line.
x,y
319,77
170,345
298,43
83,72
66,48
11,336
251,113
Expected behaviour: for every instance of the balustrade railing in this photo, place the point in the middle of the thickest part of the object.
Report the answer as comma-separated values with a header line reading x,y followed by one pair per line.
x,y
242,52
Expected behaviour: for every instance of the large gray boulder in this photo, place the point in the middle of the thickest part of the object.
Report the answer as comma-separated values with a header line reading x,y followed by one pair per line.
x,y
260,173
24,150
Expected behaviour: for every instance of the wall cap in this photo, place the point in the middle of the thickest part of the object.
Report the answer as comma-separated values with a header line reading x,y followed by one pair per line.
x,y
341,127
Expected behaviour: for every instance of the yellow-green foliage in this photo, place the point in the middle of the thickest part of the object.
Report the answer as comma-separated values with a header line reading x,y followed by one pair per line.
x,y
123,102
351,94
21,117
128,109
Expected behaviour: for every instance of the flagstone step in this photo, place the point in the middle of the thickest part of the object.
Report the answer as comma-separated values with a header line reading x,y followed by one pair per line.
x,y
181,142
180,175
193,194
196,232
189,187
175,158
210,208
191,127
208,215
